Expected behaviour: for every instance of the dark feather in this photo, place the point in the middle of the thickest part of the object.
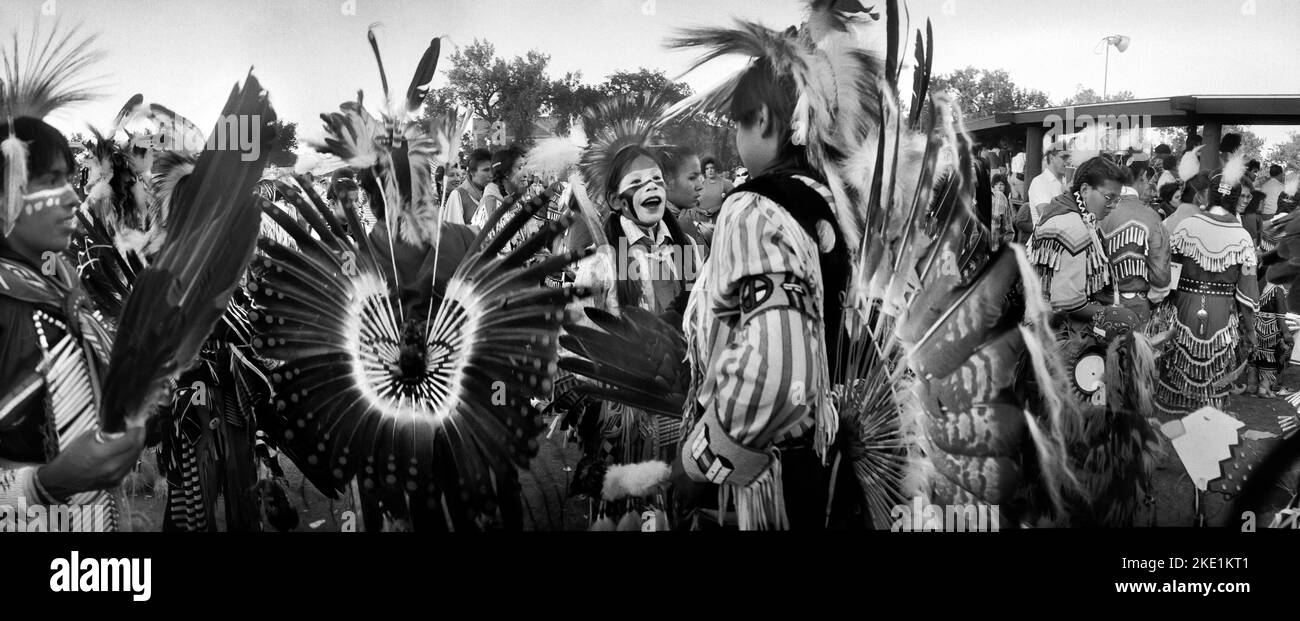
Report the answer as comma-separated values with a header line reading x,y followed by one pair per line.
x,y
419,87
212,229
634,358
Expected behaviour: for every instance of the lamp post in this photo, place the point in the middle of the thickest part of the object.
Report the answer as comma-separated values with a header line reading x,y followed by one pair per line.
x,y
1121,43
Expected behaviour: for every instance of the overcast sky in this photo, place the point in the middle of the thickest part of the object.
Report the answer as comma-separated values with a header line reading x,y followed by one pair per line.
x,y
312,54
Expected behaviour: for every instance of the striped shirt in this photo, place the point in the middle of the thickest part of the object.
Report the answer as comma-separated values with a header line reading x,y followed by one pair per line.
x,y
761,377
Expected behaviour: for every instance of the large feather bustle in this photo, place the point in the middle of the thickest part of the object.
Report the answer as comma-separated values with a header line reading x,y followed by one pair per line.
x,y
437,413
174,304
50,75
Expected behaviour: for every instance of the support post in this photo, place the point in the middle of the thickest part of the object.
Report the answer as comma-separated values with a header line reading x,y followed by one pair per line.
x,y
1212,133
1033,153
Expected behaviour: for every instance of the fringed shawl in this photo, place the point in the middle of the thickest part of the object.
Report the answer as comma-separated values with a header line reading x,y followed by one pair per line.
x,y
1214,244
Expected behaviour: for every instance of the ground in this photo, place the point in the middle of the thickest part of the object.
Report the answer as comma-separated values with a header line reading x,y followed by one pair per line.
x,y
548,507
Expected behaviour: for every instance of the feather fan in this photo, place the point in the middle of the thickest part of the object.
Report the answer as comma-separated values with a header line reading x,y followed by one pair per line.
x,y
212,229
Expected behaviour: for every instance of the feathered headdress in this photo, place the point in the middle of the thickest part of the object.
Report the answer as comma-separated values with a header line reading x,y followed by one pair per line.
x,y
841,85
49,76
397,149
612,126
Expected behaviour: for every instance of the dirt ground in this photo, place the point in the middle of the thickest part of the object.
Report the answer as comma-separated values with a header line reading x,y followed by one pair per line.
x,y
548,507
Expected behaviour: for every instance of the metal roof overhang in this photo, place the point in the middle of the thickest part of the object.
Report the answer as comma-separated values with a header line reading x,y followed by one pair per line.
x,y
1162,112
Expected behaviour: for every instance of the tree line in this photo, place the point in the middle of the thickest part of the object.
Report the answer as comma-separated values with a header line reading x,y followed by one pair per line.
x,y
519,91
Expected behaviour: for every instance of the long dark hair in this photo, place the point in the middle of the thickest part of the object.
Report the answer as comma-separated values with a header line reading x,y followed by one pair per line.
x,y
503,163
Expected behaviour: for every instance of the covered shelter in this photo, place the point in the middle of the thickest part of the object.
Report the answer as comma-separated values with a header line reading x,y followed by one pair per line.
x,y
1209,112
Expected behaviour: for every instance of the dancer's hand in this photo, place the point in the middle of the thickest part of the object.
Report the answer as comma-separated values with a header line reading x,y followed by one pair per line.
x,y
89,464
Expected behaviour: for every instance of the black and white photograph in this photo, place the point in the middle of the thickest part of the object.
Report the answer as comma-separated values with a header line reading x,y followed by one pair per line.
x,y
942,281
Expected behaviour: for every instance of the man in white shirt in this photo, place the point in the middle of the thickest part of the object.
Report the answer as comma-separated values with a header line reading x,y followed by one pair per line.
x,y
1272,189
1044,188
463,201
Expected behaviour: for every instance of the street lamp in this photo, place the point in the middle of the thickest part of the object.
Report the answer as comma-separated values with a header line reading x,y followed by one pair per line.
x,y
1121,43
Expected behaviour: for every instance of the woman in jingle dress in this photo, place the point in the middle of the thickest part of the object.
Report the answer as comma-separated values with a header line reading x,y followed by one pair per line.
x,y
1216,300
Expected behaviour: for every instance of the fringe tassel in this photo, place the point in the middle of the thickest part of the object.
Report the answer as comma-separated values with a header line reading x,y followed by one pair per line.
x,y
761,504
1242,253
1047,253
1131,235
1128,268
15,153
827,414
1205,349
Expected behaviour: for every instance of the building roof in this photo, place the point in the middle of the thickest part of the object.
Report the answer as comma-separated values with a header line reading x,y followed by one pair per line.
x,y
1163,112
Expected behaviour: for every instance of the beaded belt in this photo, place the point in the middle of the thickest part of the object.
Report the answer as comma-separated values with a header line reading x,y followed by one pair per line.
x,y
1207,288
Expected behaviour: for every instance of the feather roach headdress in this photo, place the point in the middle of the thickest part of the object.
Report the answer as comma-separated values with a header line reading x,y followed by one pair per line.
x,y
397,150
50,74
612,126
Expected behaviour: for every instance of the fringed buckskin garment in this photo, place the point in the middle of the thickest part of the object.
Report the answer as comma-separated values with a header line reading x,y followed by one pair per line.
x,y
1137,244
1217,290
1069,255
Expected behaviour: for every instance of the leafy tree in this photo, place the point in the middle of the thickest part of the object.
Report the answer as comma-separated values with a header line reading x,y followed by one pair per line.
x,y
495,90
981,93
644,80
1287,153
286,140
568,98
1083,96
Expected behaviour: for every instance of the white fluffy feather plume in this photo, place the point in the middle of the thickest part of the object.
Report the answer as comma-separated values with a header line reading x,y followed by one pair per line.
x,y
1233,171
634,480
555,155
1188,167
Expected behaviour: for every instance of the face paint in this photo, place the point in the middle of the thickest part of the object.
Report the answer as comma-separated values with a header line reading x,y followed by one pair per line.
x,y
645,193
44,199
